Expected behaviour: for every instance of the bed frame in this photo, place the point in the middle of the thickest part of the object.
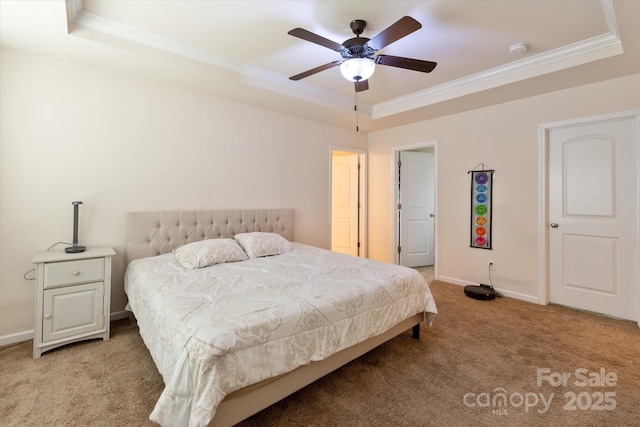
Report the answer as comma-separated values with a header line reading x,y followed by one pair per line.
x,y
155,233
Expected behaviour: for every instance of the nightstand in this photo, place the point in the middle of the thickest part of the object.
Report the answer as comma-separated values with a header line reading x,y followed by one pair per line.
x,y
73,295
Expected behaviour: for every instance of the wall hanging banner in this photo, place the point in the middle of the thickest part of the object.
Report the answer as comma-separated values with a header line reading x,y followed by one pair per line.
x,y
481,183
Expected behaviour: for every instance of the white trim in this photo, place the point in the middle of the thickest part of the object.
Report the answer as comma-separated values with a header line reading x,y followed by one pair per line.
x,y
505,293
253,75
543,213
592,49
394,166
74,9
16,338
610,17
558,59
364,237
543,273
119,315
28,335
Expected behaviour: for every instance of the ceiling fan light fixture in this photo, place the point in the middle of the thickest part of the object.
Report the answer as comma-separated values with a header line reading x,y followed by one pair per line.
x,y
357,69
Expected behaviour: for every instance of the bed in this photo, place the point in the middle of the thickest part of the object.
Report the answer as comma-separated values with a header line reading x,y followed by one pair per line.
x,y
213,319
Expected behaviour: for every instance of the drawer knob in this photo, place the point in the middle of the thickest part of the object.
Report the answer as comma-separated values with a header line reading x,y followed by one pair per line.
x,y
47,316
76,273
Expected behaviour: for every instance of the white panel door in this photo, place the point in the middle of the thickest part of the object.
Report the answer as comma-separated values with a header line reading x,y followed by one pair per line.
x,y
416,208
344,203
593,217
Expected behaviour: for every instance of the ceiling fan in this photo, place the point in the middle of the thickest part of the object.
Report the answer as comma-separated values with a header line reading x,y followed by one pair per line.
x,y
358,61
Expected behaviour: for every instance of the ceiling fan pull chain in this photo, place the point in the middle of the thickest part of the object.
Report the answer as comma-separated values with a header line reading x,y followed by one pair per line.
x,y
355,108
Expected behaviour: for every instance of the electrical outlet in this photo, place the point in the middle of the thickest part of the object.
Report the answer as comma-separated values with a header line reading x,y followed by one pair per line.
x,y
492,264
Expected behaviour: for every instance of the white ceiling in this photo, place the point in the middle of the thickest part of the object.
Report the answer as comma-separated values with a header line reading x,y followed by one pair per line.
x,y
240,50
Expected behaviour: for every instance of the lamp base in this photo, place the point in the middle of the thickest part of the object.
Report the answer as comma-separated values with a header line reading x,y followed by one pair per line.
x,y
74,249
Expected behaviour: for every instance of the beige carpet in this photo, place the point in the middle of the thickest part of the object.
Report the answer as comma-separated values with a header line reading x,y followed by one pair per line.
x,y
475,349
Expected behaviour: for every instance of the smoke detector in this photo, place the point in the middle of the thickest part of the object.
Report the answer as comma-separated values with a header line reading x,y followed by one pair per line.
x,y
518,49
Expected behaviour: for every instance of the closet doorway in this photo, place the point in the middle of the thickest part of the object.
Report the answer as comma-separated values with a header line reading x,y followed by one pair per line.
x,y
415,205
348,184
591,220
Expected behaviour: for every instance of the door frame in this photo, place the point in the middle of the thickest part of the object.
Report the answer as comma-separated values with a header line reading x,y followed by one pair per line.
x,y
394,167
543,192
362,232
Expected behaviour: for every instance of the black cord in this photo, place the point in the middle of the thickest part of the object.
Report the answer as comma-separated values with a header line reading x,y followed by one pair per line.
x,y
498,294
25,274
48,249
59,243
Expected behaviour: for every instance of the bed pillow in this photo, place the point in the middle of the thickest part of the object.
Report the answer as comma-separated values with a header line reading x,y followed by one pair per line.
x,y
258,244
209,252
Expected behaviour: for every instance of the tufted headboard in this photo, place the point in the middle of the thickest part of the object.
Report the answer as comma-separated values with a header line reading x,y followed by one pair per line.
x,y
155,233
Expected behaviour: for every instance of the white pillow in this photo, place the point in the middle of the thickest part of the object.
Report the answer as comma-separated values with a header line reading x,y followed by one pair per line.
x,y
258,244
209,252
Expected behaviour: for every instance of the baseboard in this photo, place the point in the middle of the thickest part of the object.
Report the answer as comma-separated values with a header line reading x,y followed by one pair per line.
x,y
28,335
506,293
119,315
16,338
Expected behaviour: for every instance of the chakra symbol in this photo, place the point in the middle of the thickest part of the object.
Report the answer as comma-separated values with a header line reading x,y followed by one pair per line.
x,y
482,178
481,209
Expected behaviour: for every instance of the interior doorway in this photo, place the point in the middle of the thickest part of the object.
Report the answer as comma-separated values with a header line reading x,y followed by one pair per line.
x,y
348,184
415,205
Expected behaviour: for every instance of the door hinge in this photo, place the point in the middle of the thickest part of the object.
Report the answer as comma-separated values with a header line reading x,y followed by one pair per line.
x,y
399,206
399,249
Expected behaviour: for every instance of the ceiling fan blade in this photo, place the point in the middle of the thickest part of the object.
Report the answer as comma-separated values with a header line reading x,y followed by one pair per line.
x,y
403,27
361,85
406,63
315,70
314,38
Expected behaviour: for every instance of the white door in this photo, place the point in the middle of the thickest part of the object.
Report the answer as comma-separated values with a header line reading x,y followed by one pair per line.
x,y
593,217
344,202
416,208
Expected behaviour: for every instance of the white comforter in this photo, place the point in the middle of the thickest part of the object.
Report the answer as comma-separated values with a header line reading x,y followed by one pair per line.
x,y
218,329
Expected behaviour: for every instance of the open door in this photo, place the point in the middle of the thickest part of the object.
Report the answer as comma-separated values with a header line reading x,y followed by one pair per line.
x,y
347,216
416,207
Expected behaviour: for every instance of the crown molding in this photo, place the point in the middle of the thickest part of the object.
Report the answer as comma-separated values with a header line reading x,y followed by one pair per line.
x,y
579,53
252,75
593,49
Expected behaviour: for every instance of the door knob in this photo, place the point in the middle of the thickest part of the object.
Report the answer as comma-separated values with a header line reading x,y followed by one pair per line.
x,y
432,215
554,225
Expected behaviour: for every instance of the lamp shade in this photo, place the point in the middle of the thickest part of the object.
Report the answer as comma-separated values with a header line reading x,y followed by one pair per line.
x,y
357,69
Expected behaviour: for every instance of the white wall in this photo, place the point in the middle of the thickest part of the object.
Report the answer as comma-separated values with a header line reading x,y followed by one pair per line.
x,y
122,144
504,137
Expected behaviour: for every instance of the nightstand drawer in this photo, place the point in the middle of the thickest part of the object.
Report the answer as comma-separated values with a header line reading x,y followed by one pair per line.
x,y
72,272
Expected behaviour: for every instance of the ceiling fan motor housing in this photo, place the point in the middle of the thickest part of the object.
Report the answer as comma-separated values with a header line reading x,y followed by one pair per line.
x,y
358,26
357,48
